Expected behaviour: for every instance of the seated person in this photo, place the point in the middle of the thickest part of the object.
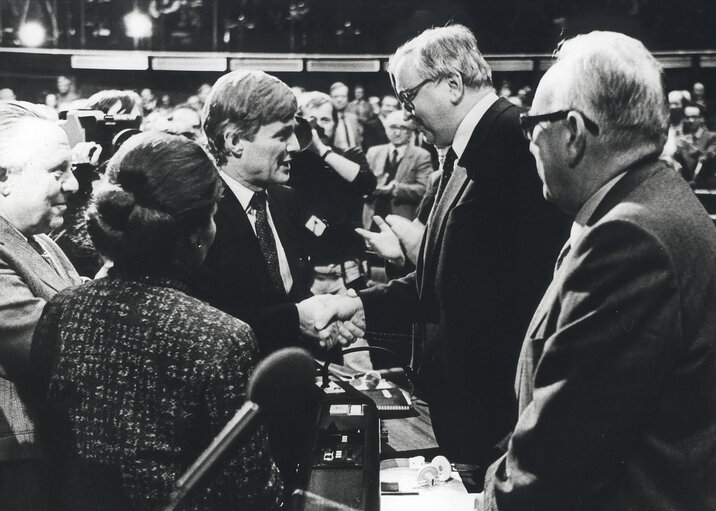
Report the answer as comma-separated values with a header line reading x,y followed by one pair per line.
x,y
140,375
696,149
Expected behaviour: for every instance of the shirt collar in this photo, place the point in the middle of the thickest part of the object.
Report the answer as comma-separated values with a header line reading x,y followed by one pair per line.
x,y
468,124
589,207
242,193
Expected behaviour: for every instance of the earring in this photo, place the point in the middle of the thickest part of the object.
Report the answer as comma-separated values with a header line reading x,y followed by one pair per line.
x,y
199,244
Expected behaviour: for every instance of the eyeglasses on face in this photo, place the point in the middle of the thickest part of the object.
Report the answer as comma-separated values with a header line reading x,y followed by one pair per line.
x,y
402,129
528,123
407,96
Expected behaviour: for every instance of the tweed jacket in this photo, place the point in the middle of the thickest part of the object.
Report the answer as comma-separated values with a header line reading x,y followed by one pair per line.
x,y
27,280
617,372
141,376
411,179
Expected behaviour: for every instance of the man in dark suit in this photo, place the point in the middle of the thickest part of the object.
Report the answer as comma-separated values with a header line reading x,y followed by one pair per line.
x,y
256,268
487,252
617,372
35,181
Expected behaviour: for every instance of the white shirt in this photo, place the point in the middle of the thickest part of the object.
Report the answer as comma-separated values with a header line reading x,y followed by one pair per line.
x,y
468,124
244,196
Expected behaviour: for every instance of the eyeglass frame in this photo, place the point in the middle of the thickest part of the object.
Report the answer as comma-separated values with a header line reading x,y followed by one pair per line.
x,y
402,129
407,96
528,123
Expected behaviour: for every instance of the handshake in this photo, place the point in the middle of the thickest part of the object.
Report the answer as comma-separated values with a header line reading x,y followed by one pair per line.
x,y
332,319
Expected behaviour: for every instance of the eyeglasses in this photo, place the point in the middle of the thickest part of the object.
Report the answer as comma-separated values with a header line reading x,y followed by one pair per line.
x,y
528,123
402,129
407,96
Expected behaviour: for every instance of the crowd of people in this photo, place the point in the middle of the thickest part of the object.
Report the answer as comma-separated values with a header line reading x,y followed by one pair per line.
x,y
141,281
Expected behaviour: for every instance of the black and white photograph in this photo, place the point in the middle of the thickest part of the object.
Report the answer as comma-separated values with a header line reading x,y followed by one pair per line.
x,y
357,255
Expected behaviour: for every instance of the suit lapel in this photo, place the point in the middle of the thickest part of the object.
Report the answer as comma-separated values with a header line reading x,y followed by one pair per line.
x,y
404,165
282,222
436,225
31,259
475,158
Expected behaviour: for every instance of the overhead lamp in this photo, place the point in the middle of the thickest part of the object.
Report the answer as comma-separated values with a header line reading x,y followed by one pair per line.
x,y
138,25
31,34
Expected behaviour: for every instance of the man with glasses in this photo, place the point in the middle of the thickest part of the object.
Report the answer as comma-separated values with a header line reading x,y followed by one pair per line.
x,y
488,248
402,170
617,371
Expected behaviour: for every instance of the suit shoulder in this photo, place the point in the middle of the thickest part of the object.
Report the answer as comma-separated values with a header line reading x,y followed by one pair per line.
x,y
373,151
419,152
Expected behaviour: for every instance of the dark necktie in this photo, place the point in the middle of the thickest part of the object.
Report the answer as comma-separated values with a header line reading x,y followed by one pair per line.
x,y
391,166
448,166
342,120
267,243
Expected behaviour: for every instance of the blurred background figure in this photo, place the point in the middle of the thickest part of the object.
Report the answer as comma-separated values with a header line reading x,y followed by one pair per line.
x,y
348,131
134,397
401,170
696,149
66,92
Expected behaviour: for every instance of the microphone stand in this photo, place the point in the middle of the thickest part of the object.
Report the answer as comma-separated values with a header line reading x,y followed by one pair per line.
x,y
211,454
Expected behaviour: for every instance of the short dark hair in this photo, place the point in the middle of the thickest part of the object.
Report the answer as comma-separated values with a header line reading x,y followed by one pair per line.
x,y
242,102
159,189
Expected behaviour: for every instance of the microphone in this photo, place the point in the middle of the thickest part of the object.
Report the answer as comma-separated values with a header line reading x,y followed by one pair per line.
x,y
284,377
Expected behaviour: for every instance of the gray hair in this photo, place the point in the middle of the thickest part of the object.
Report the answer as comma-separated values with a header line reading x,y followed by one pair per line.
x,y
615,81
12,114
443,52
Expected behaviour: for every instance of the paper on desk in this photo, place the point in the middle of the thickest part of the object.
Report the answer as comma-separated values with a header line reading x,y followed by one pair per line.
x,y
450,495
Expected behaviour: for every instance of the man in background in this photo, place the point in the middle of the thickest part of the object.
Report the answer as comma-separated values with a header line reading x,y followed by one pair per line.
x,y
349,132
402,170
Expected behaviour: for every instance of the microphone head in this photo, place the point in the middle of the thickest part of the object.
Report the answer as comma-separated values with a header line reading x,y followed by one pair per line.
x,y
283,379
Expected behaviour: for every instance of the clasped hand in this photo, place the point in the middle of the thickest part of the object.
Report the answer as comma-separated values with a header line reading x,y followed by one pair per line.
x,y
332,319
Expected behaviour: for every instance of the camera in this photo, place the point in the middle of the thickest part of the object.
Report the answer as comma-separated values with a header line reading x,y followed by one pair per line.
x,y
107,130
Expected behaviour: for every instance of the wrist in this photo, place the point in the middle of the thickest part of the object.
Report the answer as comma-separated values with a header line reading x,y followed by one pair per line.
x,y
324,151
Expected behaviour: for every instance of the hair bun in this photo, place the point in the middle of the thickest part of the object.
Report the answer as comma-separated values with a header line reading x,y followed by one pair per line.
x,y
114,206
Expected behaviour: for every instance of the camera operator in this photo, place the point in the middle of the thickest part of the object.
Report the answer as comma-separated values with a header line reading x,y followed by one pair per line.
x,y
331,184
108,119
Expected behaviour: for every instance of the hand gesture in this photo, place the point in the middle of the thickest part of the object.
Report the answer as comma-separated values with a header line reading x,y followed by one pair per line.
x,y
410,235
384,243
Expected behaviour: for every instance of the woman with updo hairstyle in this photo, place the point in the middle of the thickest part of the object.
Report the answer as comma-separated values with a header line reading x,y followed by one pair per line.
x,y
139,375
